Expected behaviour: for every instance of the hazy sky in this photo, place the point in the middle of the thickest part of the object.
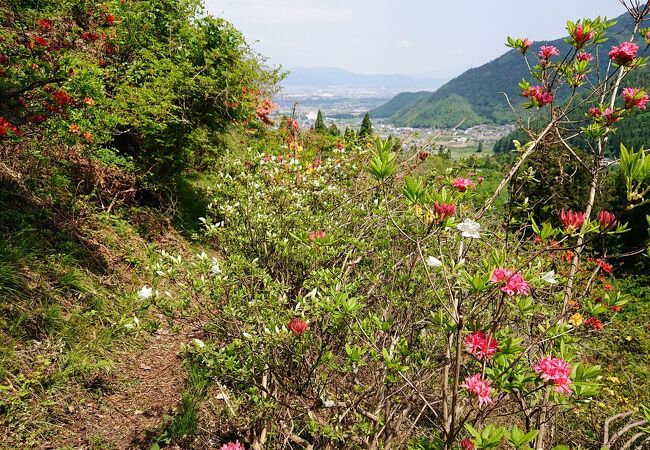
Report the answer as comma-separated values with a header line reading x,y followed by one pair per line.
x,y
399,36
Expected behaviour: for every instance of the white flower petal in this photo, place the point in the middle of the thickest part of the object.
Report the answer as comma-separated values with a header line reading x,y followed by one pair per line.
x,y
145,292
549,277
432,261
469,228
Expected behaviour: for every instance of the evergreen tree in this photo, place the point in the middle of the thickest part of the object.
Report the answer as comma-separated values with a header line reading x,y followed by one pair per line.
x,y
349,135
334,130
441,151
319,126
480,147
366,127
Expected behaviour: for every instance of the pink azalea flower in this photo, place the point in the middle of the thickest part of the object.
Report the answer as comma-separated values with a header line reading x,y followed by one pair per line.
x,y
611,116
624,53
514,283
572,221
525,45
635,98
232,446
537,92
594,111
584,56
264,108
313,235
555,371
479,387
546,51
462,184
480,345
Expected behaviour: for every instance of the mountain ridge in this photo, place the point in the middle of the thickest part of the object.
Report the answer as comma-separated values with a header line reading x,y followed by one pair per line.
x,y
325,77
480,94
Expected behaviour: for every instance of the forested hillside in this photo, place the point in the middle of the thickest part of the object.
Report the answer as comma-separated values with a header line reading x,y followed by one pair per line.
x,y
397,103
481,94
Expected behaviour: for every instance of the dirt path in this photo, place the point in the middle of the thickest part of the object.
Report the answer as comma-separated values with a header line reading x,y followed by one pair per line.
x,y
143,387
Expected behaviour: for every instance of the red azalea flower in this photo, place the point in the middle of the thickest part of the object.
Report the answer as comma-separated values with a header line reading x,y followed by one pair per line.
x,y
89,36
40,41
110,19
584,56
616,308
297,326
594,323
580,37
572,221
467,444
62,98
606,219
88,136
44,24
444,210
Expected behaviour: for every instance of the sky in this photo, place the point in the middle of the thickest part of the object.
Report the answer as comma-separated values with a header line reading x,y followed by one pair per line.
x,y
438,38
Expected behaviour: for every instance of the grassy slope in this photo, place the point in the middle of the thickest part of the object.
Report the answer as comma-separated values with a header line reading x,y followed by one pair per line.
x,y
69,350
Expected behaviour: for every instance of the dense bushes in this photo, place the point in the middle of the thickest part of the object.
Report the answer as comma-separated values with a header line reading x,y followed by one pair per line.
x,y
147,85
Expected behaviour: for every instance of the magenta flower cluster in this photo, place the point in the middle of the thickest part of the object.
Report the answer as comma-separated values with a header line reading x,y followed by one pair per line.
x,y
514,283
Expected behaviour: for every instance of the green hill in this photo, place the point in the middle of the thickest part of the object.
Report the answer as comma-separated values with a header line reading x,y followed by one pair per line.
x,y
397,103
478,93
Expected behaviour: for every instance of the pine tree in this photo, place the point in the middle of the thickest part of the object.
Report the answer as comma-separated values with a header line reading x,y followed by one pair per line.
x,y
366,127
349,135
480,147
334,130
319,126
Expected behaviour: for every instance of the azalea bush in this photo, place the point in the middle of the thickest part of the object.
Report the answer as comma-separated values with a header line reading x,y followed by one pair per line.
x,y
148,86
353,304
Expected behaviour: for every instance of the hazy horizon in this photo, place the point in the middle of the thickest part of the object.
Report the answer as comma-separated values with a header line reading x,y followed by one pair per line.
x,y
431,39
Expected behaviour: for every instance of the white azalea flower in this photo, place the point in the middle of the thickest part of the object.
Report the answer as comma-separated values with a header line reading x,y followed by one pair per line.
x,y
198,343
216,270
549,277
469,228
432,261
145,292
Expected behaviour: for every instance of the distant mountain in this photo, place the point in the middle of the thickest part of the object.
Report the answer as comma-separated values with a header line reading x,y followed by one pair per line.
x,y
331,77
478,94
397,103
